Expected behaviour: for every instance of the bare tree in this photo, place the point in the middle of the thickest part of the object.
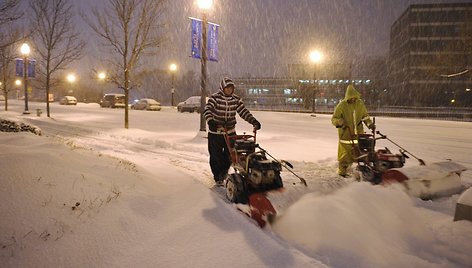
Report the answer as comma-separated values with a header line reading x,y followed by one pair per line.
x,y
129,29
6,57
57,41
9,11
8,14
9,36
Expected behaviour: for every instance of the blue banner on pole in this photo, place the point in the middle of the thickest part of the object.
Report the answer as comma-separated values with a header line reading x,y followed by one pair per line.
x,y
20,67
196,38
212,42
31,68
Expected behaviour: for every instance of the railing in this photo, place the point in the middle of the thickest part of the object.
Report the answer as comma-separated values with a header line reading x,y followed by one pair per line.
x,y
440,113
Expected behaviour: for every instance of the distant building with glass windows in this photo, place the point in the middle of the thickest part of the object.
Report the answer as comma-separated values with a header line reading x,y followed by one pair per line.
x,y
286,93
430,60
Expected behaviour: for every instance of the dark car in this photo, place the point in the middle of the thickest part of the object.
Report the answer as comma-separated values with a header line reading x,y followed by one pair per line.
x,y
147,104
192,104
113,101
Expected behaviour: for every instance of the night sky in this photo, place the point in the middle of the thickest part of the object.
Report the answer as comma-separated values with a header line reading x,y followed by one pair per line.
x,y
260,37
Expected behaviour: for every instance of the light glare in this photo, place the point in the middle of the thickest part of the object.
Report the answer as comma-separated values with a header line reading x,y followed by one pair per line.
x,y
205,4
71,78
316,56
25,49
102,75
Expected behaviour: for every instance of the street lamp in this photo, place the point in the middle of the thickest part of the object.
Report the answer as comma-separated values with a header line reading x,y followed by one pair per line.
x,y
204,5
18,84
102,76
315,57
172,68
25,51
71,78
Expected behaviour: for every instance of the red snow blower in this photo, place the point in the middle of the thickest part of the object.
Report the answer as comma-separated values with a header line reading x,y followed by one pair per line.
x,y
382,167
254,175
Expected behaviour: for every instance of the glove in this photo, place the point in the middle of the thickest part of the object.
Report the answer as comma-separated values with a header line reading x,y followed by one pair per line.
x,y
372,126
212,125
256,125
340,123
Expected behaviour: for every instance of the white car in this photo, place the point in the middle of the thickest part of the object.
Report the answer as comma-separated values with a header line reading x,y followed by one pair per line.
x,y
192,104
68,100
147,104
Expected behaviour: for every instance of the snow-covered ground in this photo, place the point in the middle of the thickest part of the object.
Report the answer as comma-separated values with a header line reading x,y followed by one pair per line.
x,y
89,193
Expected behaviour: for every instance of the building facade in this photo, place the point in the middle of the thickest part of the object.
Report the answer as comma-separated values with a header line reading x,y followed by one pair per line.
x,y
430,59
326,85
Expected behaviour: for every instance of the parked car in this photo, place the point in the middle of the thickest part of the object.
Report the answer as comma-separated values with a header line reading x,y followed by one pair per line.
x,y
68,100
113,101
147,104
192,104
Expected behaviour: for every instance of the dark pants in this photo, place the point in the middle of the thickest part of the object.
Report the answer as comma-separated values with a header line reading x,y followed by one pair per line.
x,y
219,156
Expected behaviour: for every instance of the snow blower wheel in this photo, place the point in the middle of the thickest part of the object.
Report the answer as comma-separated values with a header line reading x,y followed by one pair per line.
x,y
235,189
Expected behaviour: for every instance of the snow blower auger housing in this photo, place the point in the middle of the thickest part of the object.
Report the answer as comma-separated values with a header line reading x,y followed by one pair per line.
x,y
254,172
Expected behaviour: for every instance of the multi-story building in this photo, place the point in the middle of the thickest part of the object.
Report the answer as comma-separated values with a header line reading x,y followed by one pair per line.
x,y
430,60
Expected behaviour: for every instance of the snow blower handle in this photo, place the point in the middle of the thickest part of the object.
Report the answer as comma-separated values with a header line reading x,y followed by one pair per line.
x,y
422,163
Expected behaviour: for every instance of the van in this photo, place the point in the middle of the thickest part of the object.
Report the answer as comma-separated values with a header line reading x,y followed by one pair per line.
x,y
113,101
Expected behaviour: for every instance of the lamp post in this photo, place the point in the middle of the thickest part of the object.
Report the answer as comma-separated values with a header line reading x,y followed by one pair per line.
x,y
25,51
102,76
204,5
172,68
18,84
71,78
315,57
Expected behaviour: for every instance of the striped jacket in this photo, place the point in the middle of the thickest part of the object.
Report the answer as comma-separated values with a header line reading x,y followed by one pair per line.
x,y
223,110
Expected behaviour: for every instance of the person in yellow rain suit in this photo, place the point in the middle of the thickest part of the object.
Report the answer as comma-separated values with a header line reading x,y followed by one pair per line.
x,y
348,117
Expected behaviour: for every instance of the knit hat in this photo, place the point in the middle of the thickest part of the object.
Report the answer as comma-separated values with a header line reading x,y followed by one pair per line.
x,y
225,83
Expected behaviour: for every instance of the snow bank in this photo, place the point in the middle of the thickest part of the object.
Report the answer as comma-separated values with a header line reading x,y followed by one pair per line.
x,y
378,227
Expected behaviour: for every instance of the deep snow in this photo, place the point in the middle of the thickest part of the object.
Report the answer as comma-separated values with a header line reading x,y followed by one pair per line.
x,y
89,193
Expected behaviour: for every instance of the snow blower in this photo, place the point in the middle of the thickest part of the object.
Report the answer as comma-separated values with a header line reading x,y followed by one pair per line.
x,y
254,175
382,166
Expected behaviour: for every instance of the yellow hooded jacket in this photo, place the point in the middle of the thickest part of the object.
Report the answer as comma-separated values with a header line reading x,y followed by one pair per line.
x,y
348,118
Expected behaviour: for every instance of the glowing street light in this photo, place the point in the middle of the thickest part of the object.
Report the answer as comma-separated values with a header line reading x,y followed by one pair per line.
x,y
173,69
71,78
204,5
315,57
17,82
102,76
25,51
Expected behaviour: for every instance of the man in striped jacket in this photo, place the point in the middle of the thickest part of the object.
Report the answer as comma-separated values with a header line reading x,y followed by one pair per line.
x,y
220,114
